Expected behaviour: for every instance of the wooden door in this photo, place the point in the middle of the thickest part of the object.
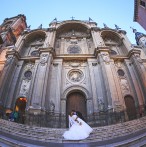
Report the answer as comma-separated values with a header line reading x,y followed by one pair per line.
x,y
130,106
76,101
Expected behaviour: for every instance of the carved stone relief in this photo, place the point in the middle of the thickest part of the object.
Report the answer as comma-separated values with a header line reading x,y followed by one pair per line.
x,y
75,75
25,87
26,79
29,66
9,59
124,86
44,59
118,64
118,106
51,106
101,105
106,58
74,49
138,58
74,33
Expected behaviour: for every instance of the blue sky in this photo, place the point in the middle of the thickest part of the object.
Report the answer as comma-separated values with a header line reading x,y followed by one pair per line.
x,y
38,12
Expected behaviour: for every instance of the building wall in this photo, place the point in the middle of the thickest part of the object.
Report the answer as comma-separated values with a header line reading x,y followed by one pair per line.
x,y
70,57
142,15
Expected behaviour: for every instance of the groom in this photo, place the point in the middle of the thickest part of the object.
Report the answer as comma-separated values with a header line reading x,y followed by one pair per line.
x,y
79,114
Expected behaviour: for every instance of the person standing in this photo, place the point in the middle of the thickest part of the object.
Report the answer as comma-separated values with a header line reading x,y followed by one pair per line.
x,y
78,128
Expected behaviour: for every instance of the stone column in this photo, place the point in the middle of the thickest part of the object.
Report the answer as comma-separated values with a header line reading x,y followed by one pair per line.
x,y
13,85
50,40
125,40
110,85
139,69
7,75
93,86
41,77
134,84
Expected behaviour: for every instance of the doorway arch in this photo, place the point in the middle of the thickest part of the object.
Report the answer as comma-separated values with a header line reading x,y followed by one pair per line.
x,y
130,107
76,100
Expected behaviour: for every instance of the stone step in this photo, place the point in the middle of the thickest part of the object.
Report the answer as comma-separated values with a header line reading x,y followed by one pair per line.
x,y
53,134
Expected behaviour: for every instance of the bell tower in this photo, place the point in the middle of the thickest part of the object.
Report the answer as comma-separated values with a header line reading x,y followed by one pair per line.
x,y
140,39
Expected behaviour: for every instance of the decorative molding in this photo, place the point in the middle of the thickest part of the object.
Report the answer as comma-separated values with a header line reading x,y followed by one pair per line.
x,y
75,75
44,59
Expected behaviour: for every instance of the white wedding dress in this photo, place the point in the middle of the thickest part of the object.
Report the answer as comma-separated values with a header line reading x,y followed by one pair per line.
x,y
78,130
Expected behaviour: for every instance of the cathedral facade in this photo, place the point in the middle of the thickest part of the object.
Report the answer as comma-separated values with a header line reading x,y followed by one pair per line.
x,y
74,65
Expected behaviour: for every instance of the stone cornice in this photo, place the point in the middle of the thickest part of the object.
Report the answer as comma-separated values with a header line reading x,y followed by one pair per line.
x,y
14,53
47,49
101,49
78,57
132,52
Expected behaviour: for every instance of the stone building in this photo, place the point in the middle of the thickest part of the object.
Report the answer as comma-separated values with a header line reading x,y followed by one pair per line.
x,y
140,12
10,30
74,64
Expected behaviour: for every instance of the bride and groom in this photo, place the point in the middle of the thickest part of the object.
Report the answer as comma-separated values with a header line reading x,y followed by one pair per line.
x,y
78,128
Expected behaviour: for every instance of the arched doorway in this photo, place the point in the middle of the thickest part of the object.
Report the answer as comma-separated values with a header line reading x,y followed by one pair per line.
x,y
76,101
130,107
20,107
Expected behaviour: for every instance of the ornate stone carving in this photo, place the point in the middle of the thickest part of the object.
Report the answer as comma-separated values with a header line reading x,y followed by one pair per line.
x,y
118,64
118,106
101,104
75,75
9,59
44,59
51,106
29,66
24,87
75,64
74,49
138,58
74,33
106,58
124,86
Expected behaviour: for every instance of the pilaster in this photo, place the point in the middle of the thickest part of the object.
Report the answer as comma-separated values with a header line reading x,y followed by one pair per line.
x,y
9,68
134,55
106,66
41,77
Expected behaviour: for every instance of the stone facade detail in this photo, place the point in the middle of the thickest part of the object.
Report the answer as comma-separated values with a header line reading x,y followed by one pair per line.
x,y
74,61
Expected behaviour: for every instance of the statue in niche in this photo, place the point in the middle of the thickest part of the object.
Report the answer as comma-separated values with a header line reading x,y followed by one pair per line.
x,y
9,59
51,106
101,104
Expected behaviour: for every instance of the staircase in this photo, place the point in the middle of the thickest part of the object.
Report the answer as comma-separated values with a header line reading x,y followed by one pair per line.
x,y
121,134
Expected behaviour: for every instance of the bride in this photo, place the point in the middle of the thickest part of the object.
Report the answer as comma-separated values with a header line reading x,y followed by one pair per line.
x,y
78,129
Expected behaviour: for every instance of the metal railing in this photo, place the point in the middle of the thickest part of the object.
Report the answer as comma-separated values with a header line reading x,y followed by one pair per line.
x,y
53,120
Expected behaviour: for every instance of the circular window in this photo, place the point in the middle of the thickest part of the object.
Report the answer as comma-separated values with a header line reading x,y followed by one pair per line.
x,y
35,53
121,72
75,75
28,74
74,49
